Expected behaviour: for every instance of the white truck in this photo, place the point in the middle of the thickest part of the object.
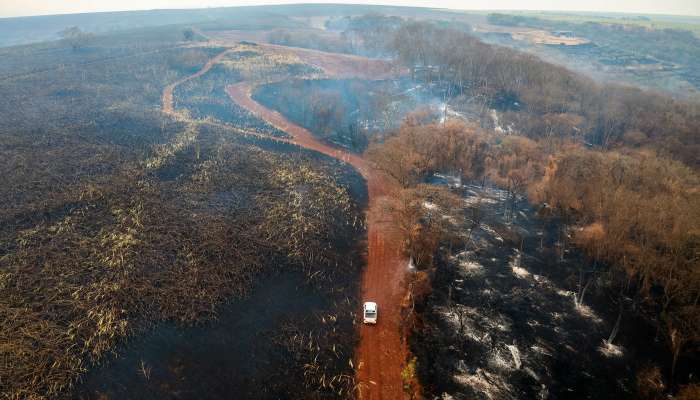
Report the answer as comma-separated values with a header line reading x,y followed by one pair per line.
x,y
370,312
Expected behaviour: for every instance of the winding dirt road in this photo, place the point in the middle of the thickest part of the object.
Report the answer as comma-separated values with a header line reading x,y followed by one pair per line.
x,y
382,352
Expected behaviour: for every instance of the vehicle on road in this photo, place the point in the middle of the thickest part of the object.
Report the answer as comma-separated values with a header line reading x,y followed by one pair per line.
x,y
370,313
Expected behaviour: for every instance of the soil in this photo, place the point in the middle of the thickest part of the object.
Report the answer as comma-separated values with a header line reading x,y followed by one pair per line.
x,y
382,351
336,65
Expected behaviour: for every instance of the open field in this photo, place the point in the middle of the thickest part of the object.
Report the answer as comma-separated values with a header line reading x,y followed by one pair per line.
x,y
617,48
544,37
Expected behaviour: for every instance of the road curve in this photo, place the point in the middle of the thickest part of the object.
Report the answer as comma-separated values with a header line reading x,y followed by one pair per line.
x,y
381,354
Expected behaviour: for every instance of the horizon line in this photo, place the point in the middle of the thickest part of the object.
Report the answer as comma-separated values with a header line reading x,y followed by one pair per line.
x,y
563,12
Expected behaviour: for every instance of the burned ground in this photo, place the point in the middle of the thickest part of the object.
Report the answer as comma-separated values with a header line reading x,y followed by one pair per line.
x,y
502,322
122,222
205,98
295,326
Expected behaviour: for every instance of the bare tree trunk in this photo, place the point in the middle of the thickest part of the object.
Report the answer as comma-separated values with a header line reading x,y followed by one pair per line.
x,y
582,289
616,328
562,242
676,346
674,362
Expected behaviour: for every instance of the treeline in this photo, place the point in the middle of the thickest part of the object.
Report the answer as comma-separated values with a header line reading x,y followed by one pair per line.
x,y
538,99
636,212
542,100
365,34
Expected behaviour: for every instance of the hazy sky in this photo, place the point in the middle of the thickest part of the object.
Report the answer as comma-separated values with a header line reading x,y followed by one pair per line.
x,y
10,8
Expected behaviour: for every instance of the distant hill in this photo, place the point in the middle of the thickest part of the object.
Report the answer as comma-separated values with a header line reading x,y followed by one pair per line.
x,y
25,30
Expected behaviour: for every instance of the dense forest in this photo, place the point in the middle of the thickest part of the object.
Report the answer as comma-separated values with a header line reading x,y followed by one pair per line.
x,y
548,102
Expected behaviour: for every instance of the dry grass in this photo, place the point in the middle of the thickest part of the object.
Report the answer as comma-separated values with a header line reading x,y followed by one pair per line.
x,y
256,64
322,353
138,237
139,250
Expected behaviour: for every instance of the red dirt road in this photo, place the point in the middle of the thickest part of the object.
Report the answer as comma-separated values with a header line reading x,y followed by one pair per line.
x,y
382,352
380,357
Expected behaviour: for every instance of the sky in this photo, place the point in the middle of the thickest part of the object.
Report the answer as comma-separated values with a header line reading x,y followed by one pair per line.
x,y
14,8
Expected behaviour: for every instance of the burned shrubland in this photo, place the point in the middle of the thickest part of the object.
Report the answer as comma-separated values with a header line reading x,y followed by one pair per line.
x,y
618,226
119,218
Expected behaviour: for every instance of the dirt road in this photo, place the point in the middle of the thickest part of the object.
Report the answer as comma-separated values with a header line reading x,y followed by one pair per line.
x,y
382,351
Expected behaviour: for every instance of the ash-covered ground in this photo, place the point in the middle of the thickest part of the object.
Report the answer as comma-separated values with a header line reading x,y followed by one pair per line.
x,y
502,321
